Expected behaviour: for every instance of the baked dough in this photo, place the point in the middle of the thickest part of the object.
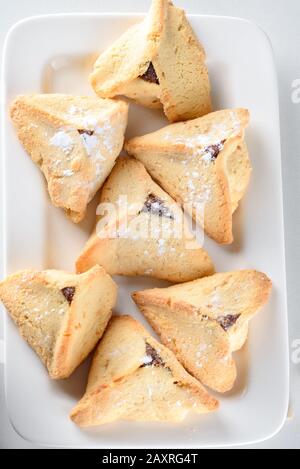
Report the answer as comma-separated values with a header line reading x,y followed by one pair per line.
x,y
158,62
133,377
203,164
144,233
74,140
203,322
61,315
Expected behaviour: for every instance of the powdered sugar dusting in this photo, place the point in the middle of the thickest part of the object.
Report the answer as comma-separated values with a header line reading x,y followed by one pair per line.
x,y
63,141
206,144
108,133
216,299
197,195
146,359
90,142
161,246
89,122
67,172
73,110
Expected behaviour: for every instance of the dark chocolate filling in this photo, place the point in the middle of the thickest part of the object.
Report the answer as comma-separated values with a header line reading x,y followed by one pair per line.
x,y
68,293
86,132
156,360
156,206
214,150
226,322
150,75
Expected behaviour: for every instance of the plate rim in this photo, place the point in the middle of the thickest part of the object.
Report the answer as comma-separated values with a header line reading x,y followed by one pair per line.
x,y
285,335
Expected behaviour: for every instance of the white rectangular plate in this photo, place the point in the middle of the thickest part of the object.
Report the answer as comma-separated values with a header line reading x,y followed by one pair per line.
x,y
54,54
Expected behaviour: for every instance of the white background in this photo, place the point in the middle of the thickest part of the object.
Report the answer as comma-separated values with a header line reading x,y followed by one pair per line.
x,y
281,21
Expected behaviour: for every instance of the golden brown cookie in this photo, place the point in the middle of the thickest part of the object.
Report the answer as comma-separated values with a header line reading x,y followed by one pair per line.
x,y
61,315
143,230
204,321
133,377
158,62
203,164
74,140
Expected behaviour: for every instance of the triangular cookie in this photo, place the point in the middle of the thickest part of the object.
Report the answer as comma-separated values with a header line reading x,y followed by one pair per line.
x,y
61,315
75,141
204,321
203,164
157,62
142,232
133,377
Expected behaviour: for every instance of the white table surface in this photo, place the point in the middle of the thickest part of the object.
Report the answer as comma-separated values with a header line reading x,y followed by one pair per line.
x,y
281,21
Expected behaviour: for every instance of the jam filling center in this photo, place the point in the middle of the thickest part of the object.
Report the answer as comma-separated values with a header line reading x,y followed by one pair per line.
x,y
156,206
226,322
150,75
85,132
213,150
68,293
154,358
